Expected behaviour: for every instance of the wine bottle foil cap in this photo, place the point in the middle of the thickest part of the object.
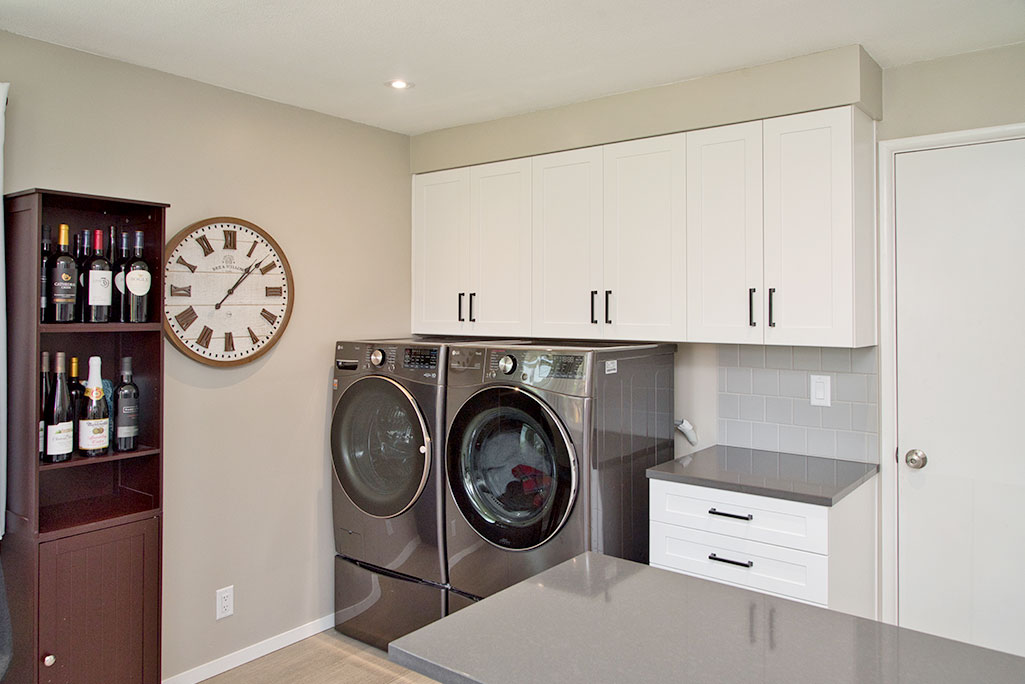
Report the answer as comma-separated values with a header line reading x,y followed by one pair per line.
x,y
126,364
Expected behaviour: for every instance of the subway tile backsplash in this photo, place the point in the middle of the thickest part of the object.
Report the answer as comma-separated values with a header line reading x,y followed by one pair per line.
x,y
763,401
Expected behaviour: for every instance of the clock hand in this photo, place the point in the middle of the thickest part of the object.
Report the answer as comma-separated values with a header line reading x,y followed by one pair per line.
x,y
245,274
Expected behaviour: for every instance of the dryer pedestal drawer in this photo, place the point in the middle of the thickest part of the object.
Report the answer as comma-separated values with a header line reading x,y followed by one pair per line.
x,y
758,518
773,569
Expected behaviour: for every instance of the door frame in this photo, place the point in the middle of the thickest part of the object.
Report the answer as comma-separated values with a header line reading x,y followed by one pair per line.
x,y
888,461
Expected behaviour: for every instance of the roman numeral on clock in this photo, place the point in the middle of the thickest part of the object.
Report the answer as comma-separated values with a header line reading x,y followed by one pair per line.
x,y
271,317
229,342
253,336
205,336
229,239
251,249
186,318
181,260
203,242
268,268
275,291
181,291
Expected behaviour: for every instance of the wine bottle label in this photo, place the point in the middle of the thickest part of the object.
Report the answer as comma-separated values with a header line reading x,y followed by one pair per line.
x,y
99,288
127,421
59,438
42,436
62,286
93,434
94,392
138,282
119,282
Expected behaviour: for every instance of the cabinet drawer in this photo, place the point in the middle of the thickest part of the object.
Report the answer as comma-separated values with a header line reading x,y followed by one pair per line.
x,y
762,567
772,521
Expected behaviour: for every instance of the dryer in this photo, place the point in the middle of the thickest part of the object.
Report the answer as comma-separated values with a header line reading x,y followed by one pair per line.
x,y
387,423
546,449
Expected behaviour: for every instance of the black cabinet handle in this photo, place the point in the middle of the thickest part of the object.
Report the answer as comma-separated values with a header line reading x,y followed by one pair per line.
x,y
751,307
472,295
772,323
747,564
461,294
594,293
608,293
712,511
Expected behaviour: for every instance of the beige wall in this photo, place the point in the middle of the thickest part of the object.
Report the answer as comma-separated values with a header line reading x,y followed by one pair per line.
x,y
973,90
841,76
247,500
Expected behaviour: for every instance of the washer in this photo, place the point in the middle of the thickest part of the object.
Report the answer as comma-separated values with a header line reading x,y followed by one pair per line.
x,y
388,487
545,452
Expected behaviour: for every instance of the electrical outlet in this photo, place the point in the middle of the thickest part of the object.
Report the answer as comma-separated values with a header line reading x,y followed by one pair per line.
x,y
820,393
225,602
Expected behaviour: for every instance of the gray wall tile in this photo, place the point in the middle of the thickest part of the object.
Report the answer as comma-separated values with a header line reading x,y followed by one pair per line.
x,y
738,433
793,440
752,357
851,387
779,410
729,406
865,417
729,355
807,358
865,360
837,416
722,379
765,381
807,415
765,436
822,443
779,357
752,407
836,359
793,384
852,446
738,380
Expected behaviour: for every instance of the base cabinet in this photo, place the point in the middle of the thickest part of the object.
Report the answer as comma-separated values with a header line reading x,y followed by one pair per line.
x,y
98,592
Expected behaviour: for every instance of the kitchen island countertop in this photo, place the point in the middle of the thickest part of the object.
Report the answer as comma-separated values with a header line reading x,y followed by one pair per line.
x,y
596,619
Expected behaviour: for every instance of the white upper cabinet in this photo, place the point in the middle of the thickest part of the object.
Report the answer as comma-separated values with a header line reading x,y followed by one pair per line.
x,y
471,250
724,234
567,244
643,293
441,230
499,287
820,247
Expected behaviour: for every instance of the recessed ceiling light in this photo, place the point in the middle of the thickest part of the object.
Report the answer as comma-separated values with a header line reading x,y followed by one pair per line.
x,y
399,84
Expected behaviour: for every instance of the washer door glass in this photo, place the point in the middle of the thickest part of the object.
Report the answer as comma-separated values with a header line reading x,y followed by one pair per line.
x,y
380,448
511,468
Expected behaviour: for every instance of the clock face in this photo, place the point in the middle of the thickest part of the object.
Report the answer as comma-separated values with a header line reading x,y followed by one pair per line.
x,y
228,291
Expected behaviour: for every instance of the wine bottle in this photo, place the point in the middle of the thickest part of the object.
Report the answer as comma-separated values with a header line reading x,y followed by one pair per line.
x,y
117,301
134,307
126,409
77,391
93,415
97,284
82,260
63,276
112,245
44,287
44,395
60,418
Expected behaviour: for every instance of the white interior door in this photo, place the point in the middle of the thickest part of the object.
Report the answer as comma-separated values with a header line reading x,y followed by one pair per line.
x,y
960,241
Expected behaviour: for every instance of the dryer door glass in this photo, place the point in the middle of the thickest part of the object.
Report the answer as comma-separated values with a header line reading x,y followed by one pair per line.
x,y
511,467
379,446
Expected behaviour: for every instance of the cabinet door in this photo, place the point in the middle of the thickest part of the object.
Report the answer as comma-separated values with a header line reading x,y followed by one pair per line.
x,y
645,239
498,301
567,244
441,226
809,276
724,234
99,606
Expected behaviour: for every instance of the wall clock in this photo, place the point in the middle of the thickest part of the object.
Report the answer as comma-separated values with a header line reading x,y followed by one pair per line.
x,y
228,291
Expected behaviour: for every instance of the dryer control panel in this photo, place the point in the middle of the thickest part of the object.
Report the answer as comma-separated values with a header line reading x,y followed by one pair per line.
x,y
566,372
420,362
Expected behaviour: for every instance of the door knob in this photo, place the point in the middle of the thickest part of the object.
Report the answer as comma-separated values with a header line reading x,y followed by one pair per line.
x,y
916,459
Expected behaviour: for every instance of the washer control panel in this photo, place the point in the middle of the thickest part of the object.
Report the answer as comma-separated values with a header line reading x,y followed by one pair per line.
x,y
423,363
563,372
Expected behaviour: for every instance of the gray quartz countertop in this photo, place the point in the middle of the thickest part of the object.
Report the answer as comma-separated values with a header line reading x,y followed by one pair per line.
x,y
820,481
596,619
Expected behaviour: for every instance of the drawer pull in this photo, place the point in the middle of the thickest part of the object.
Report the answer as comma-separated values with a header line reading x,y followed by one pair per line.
x,y
747,564
712,511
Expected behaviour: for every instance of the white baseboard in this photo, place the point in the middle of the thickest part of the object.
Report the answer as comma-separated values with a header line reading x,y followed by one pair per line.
x,y
242,656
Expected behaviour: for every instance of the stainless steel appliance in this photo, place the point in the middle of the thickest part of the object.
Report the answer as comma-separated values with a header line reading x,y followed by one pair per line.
x,y
546,449
387,487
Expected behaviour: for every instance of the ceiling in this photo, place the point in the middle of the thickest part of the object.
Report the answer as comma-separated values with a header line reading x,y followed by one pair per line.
x,y
476,60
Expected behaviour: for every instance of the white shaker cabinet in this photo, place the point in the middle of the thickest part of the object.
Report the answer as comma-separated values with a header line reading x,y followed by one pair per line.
x,y
643,294
724,234
819,228
567,244
471,250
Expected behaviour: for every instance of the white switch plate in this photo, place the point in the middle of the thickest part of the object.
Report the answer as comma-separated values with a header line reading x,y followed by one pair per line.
x,y
820,390
225,602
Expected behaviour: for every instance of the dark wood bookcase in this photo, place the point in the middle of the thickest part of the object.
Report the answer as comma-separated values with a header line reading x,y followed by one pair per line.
x,y
81,554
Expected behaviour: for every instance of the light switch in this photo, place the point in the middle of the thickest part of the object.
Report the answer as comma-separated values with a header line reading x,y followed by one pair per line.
x,y
820,390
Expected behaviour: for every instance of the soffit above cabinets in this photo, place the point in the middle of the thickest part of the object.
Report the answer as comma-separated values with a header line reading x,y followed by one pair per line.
x,y
481,61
